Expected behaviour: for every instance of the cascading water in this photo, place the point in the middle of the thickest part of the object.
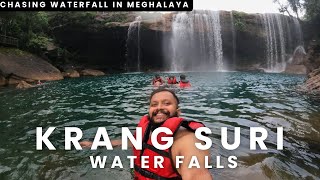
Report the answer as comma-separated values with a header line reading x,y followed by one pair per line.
x,y
282,43
278,43
271,50
133,46
196,42
289,34
234,47
297,28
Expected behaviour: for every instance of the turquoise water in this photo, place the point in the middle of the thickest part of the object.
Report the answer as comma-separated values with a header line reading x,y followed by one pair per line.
x,y
218,99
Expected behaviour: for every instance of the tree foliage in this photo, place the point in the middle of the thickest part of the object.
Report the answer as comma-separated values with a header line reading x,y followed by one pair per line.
x,y
23,25
62,19
239,21
311,9
35,30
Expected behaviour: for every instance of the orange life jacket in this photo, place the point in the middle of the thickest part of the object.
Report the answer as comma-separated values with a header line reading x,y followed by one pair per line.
x,y
157,80
184,84
172,81
169,171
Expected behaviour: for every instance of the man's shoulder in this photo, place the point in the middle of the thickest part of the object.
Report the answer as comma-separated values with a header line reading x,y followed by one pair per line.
x,y
183,134
183,140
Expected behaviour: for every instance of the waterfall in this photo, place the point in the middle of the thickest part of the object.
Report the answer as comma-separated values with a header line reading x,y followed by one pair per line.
x,y
297,29
282,64
233,39
275,43
289,34
133,45
217,40
279,43
196,42
182,31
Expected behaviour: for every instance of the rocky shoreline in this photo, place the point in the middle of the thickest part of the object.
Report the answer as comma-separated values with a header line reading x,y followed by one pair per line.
x,y
312,62
22,69
101,47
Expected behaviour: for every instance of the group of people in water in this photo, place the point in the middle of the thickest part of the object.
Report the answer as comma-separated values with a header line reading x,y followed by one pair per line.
x,y
171,80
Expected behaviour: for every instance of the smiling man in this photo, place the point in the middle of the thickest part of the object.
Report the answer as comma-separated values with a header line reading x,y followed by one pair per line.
x,y
164,112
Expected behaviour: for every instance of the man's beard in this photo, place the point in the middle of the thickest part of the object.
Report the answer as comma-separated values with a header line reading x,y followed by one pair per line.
x,y
154,113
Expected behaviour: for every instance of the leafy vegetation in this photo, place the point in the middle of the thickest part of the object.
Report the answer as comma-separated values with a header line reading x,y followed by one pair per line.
x,y
13,51
239,20
24,25
310,7
61,19
34,30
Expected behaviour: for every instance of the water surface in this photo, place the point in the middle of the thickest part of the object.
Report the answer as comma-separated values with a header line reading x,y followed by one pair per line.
x,y
218,99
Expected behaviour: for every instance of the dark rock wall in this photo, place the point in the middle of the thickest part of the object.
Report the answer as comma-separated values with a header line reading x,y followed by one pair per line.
x,y
102,48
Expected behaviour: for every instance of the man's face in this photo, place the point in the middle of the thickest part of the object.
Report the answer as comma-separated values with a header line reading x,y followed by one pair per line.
x,y
163,106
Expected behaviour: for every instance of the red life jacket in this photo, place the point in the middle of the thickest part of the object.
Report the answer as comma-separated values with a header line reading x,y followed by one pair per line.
x,y
184,84
157,80
169,171
172,81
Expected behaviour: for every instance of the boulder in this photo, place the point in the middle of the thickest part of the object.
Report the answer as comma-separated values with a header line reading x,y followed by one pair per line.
x,y
71,73
312,60
312,84
25,66
91,72
314,73
14,79
296,69
23,85
296,63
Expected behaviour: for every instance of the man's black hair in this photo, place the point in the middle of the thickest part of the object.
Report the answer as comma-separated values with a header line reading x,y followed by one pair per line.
x,y
182,76
162,90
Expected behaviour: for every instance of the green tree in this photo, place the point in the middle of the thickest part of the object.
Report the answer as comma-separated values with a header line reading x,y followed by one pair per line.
x,y
312,8
25,26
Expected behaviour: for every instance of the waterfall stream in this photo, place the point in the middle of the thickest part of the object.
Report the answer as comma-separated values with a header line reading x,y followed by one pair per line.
x,y
277,42
196,42
134,46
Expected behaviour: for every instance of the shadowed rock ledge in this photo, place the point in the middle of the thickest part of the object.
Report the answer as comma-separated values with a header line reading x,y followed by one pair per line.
x,y
17,65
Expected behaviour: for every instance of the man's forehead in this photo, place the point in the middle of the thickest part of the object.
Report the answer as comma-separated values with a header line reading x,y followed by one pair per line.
x,y
164,95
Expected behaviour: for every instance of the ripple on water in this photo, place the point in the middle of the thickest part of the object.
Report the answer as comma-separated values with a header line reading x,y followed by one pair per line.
x,y
217,111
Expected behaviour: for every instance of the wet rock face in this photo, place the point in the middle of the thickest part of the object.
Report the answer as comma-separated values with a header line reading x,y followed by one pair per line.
x,y
312,61
296,63
24,85
296,69
91,72
103,46
71,73
313,82
16,65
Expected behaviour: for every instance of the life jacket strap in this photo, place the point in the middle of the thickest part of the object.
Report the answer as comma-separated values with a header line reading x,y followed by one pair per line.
x,y
152,148
192,126
152,175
